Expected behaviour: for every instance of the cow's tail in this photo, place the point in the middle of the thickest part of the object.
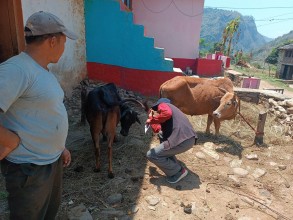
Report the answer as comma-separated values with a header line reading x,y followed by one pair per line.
x,y
144,105
83,96
160,92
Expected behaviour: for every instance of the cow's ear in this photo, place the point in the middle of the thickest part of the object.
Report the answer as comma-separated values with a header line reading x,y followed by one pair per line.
x,y
217,98
137,119
235,102
222,90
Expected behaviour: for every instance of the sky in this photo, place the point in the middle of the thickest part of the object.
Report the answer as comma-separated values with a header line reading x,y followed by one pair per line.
x,y
273,18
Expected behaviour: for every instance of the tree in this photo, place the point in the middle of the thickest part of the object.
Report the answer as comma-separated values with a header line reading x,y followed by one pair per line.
x,y
202,47
273,57
216,47
228,34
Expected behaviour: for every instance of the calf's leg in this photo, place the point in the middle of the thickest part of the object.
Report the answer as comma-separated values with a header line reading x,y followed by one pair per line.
x,y
110,155
110,127
96,128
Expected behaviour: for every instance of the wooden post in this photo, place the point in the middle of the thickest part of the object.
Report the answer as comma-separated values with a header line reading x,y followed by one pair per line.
x,y
258,140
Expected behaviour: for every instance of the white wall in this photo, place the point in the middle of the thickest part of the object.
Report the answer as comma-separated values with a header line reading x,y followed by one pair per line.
x,y
71,68
175,25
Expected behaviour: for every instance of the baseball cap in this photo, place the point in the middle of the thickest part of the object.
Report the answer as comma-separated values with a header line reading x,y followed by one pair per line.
x,y
41,23
161,100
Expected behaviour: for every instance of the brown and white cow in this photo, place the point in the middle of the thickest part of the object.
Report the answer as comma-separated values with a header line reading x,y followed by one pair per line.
x,y
199,96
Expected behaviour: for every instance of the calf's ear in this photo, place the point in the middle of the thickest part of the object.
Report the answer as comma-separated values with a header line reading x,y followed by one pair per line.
x,y
137,119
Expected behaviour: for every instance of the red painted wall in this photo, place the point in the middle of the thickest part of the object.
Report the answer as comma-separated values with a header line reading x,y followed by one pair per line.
x,y
183,63
208,68
201,67
146,82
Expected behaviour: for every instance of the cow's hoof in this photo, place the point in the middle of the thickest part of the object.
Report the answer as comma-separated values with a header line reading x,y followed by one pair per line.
x,y
97,170
111,175
116,139
79,169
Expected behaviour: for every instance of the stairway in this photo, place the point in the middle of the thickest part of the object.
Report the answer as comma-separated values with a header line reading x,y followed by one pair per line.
x,y
112,38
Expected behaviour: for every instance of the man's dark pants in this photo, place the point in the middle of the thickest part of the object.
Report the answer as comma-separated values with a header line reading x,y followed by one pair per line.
x,y
34,192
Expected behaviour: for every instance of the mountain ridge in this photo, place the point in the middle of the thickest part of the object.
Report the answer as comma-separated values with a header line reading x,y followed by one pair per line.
x,y
214,22
262,52
249,40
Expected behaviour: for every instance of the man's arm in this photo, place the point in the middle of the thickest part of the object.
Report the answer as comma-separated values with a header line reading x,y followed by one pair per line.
x,y
8,141
163,113
157,117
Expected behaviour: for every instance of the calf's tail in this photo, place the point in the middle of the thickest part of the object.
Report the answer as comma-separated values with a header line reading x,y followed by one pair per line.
x,y
160,92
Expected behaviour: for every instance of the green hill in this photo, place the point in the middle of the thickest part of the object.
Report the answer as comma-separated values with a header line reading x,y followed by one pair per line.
x,y
260,53
214,22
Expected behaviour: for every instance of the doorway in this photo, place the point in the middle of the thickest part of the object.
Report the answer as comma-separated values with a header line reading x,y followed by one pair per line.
x,y
11,26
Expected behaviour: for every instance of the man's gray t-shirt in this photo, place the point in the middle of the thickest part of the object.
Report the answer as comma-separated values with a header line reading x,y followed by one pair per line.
x,y
32,101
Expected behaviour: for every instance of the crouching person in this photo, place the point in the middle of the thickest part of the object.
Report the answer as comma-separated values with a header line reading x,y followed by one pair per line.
x,y
176,136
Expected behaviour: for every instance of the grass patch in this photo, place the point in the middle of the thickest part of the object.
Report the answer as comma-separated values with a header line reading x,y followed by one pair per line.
x,y
263,75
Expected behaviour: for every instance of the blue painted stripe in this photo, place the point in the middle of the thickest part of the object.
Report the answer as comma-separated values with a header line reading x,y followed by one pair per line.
x,y
112,38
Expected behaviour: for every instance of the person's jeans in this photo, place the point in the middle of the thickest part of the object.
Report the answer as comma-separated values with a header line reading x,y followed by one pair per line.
x,y
34,192
166,159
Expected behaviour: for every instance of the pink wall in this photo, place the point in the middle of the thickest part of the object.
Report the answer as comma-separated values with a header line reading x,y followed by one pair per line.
x,y
146,82
175,25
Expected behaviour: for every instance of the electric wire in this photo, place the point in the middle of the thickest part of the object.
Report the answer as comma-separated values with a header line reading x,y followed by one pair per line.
x,y
156,12
268,18
164,9
176,6
261,8
270,23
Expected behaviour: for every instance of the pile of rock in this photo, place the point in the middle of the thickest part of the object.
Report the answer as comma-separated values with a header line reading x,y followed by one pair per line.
x,y
283,110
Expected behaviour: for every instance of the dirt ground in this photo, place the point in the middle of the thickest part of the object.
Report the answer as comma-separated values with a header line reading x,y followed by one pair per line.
x,y
229,177
264,84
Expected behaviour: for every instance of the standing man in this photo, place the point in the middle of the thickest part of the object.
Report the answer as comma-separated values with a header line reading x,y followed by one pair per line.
x,y
33,121
176,136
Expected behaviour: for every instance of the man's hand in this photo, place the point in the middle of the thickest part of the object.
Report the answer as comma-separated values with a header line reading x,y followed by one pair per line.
x,y
153,113
66,157
8,141
148,121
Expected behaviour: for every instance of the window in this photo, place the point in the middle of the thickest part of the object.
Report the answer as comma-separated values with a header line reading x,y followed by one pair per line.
x,y
128,3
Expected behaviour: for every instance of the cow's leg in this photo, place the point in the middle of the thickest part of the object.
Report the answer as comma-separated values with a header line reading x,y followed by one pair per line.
x,y
96,128
209,122
110,127
217,125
